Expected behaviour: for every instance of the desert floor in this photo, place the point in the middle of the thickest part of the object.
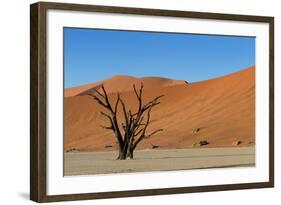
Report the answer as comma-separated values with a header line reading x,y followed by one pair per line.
x,y
88,163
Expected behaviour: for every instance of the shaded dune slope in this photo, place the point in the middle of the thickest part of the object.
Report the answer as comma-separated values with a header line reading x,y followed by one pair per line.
x,y
223,109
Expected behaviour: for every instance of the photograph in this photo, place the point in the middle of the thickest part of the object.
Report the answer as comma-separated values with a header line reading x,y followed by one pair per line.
x,y
143,101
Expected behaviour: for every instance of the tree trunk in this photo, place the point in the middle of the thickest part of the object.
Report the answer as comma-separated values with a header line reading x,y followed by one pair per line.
x,y
122,152
122,155
135,124
125,153
130,153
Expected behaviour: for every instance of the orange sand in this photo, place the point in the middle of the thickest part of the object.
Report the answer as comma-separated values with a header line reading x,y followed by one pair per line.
x,y
223,109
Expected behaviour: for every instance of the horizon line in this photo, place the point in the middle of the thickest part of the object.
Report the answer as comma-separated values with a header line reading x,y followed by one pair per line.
x,y
131,76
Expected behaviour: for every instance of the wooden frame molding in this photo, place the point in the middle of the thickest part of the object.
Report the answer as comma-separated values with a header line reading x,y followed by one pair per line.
x,y
38,100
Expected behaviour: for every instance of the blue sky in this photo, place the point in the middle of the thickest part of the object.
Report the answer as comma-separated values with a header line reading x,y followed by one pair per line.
x,y
91,55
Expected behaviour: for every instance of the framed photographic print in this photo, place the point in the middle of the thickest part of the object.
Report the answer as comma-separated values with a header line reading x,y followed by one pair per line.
x,y
134,102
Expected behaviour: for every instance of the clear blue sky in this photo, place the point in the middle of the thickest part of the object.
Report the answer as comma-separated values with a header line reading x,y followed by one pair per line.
x,y
91,55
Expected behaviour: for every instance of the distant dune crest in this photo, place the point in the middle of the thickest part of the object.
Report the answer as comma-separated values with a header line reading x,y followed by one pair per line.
x,y
122,83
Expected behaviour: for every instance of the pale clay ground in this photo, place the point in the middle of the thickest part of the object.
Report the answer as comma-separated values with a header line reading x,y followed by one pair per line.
x,y
88,163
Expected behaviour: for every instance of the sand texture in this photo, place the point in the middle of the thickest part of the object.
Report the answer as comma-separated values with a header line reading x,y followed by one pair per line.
x,y
220,111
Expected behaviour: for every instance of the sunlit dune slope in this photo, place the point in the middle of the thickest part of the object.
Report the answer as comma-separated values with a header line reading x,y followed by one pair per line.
x,y
223,109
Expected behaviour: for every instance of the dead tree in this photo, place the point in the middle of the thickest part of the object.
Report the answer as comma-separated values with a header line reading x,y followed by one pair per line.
x,y
135,124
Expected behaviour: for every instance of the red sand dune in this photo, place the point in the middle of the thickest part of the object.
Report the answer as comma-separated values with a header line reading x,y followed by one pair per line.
x,y
122,83
223,109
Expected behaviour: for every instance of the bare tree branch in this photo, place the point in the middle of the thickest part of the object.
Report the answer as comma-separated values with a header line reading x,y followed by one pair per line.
x,y
100,94
139,95
98,100
143,130
107,127
117,102
106,98
124,112
138,132
135,124
112,116
153,133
